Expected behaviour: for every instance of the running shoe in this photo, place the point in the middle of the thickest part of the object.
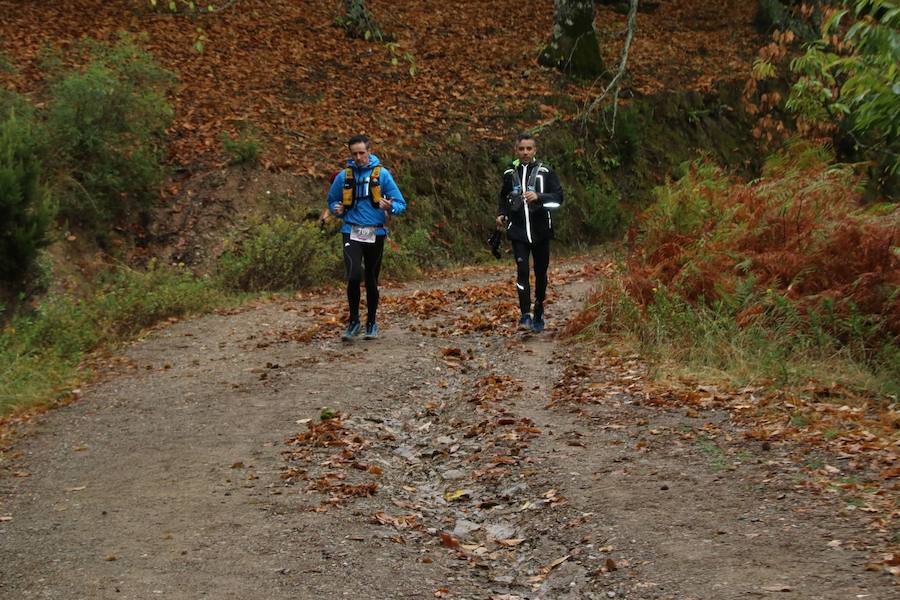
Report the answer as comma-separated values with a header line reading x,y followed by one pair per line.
x,y
351,332
371,331
537,325
525,323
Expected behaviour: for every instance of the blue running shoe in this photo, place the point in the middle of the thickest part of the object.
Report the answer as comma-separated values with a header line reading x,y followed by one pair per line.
x,y
537,325
525,323
371,331
351,332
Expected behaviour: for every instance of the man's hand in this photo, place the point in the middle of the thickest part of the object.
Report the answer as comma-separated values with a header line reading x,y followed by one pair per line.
x,y
501,220
530,197
386,204
338,208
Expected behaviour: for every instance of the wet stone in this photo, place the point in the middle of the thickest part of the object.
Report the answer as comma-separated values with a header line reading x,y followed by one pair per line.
x,y
453,475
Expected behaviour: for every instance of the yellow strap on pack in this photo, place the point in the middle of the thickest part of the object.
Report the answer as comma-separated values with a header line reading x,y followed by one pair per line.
x,y
350,186
375,186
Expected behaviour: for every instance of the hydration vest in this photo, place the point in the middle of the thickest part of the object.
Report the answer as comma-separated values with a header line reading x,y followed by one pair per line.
x,y
350,187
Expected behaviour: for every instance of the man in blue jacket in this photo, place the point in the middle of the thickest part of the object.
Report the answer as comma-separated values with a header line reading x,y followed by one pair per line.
x,y
363,195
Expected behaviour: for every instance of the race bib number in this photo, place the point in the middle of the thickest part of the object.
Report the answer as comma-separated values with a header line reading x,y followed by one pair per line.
x,y
362,234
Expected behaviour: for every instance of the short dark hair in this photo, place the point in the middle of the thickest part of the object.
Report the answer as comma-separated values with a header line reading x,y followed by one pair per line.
x,y
524,135
357,139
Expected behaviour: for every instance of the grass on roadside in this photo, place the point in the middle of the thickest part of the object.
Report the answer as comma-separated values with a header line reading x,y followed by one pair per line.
x,y
40,352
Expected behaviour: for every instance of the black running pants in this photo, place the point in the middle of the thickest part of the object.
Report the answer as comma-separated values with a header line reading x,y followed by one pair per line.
x,y
540,253
354,255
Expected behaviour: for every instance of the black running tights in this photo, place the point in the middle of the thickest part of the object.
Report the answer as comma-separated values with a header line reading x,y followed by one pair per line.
x,y
354,254
540,252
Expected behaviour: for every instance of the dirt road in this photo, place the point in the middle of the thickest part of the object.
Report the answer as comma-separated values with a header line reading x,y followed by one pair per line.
x,y
453,467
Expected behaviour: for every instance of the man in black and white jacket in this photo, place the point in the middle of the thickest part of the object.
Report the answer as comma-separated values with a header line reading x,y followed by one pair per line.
x,y
530,193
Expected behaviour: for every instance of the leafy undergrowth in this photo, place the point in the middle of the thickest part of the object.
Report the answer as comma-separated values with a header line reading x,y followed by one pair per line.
x,y
40,352
786,287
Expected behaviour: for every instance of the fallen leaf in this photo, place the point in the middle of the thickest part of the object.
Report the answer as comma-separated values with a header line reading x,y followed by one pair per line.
x,y
456,495
556,563
449,541
509,543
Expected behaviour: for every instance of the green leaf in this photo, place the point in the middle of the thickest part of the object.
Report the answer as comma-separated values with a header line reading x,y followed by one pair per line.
x,y
833,22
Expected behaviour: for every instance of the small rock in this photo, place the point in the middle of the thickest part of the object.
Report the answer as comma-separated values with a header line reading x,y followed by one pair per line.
x,y
513,491
453,474
463,528
407,453
500,531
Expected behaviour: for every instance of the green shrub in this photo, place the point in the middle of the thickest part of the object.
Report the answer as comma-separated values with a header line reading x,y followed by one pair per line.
x,y
589,215
770,14
107,125
281,255
854,82
244,148
25,210
685,206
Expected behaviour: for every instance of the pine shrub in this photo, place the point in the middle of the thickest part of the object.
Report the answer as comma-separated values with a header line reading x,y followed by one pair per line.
x,y
107,124
280,255
25,209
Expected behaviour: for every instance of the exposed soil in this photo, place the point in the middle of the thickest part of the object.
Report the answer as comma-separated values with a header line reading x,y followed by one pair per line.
x,y
454,466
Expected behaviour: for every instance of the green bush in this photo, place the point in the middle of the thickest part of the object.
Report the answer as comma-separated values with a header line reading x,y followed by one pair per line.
x,y
855,83
25,210
687,205
107,125
589,215
281,255
244,148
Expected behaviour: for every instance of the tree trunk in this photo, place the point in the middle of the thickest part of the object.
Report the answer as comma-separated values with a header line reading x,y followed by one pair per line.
x,y
573,46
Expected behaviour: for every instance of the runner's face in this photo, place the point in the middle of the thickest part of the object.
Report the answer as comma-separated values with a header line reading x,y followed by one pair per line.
x,y
525,150
359,152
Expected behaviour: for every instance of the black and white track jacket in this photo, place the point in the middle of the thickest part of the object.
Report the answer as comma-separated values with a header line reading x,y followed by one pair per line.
x,y
534,223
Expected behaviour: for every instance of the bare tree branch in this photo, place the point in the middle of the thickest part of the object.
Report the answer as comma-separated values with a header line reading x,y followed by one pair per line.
x,y
614,85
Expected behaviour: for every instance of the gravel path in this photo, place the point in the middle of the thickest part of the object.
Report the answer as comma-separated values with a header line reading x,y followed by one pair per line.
x,y
455,466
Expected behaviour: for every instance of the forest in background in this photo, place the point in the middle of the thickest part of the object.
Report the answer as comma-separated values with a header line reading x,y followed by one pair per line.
x,y
160,160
